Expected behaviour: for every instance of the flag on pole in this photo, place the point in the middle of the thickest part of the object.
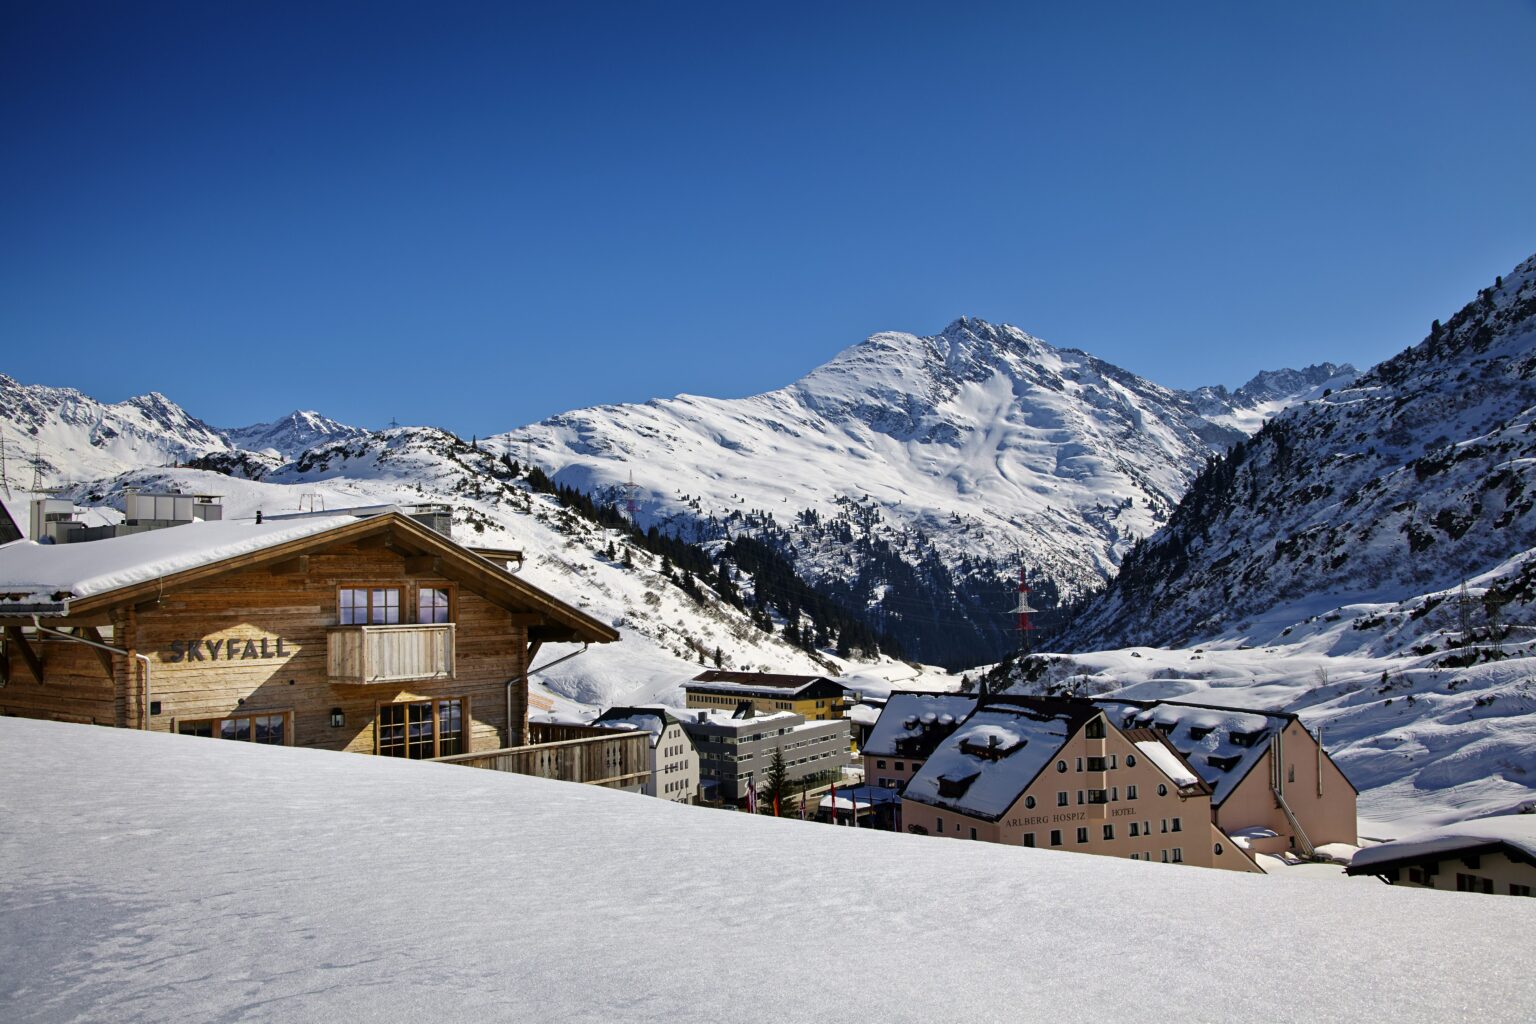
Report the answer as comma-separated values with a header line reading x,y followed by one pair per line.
x,y
775,805
751,797
834,803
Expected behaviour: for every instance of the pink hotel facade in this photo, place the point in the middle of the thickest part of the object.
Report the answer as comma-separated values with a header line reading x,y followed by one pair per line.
x,y
1160,781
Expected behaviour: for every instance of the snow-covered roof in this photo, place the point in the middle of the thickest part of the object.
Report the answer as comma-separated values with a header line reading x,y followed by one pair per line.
x,y
912,724
1515,831
862,714
718,716
989,761
1204,735
1159,754
33,573
650,719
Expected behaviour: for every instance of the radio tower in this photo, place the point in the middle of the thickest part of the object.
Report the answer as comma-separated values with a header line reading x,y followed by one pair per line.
x,y
629,498
1026,625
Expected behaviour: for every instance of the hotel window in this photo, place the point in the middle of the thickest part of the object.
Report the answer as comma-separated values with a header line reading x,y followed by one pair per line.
x,y
432,605
938,826
1114,794
422,729
1098,796
1109,831
879,764
1029,802
1079,796
901,766
1112,762
1061,766
1176,826
1082,835
1162,790
1061,799
1096,764
1095,729
271,729
1079,764
1130,760
1055,837
1472,883
1519,890
369,606
1135,831
1130,792
1029,840
973,833
1165,856
1135,856
1178,855
1218,849
1165,824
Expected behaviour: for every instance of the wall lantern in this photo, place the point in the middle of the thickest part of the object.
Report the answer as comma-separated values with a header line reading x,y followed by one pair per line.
x,y
338,718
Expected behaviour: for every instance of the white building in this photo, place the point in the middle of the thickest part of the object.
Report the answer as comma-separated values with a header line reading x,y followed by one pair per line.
x,y
674,761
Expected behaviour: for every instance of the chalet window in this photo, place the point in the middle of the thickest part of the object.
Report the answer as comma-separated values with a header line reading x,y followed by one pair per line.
x,y
432,605
1416,876
369,606
1130,791
1472,883
271,728
422,729
1055,837
1094,729
1109,831
1082,835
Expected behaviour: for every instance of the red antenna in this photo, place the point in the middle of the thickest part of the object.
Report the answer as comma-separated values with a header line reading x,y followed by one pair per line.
x,y
1024,611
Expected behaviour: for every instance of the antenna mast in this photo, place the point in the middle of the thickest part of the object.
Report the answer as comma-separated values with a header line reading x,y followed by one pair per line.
x,y
1025,625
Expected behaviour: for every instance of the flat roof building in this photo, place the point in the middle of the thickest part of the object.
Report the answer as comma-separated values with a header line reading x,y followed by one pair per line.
x,y
817,698
736,748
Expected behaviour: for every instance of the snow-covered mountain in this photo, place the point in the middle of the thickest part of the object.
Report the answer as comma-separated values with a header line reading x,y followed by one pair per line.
x,y
1420,474
72,436
290,436
1269,393
913,475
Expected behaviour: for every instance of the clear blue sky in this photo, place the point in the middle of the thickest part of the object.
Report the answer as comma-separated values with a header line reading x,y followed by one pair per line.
x,y
476,215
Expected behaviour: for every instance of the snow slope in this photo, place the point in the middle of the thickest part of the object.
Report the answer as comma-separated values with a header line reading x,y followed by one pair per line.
x,y
497,897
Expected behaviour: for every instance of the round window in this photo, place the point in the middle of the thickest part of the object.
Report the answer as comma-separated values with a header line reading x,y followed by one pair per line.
x,y
1218,849
1130,760
1029,802
1061,766
1162,790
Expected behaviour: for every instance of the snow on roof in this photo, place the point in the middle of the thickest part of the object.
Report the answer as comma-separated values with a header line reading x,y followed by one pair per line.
x,y
910,719
1165,759
987,763
1516,830
1204,735
862,714
87,568
651,720
109,871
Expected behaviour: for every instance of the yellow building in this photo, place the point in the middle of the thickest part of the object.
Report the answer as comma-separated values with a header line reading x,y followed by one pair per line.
x,y
815,698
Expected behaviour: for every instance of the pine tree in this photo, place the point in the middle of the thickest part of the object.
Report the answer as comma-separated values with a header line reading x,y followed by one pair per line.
x,y
629,562
719,657
775,788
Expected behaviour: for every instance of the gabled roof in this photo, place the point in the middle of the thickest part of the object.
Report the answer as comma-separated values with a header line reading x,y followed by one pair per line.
x,y
653,719
913,724
1511,834
985,765
1221,744
786,687
59,580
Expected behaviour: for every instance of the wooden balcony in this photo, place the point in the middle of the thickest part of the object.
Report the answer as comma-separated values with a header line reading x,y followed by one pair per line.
x,y
390,654
612,758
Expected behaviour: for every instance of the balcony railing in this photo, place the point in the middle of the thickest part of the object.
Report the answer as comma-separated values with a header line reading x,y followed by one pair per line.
x,y
390,654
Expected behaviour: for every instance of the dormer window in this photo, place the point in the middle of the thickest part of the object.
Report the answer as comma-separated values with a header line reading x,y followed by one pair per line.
x,y
1246,739
1199,732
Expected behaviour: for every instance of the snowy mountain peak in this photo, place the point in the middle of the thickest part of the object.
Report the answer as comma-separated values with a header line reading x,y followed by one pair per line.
x,y
292,434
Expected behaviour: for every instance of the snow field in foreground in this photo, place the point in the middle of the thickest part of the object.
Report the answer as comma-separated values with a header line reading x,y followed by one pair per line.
x,y
165,878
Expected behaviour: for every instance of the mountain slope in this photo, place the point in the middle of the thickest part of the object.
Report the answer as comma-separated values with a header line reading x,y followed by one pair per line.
x,y
912,475
1417,476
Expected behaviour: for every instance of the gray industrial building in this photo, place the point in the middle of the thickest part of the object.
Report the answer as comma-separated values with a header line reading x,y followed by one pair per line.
x,y
736,747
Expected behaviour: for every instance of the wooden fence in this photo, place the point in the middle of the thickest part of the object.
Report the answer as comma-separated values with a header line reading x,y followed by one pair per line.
x,y
598,757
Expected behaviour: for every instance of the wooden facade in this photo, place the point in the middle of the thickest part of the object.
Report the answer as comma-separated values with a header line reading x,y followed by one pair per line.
x,y
259,647
597,757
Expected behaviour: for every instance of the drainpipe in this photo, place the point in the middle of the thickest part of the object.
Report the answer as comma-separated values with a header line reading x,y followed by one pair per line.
x,y
524,677
143,659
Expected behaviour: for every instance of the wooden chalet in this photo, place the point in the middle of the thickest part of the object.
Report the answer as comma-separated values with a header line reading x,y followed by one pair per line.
x,y
373,635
